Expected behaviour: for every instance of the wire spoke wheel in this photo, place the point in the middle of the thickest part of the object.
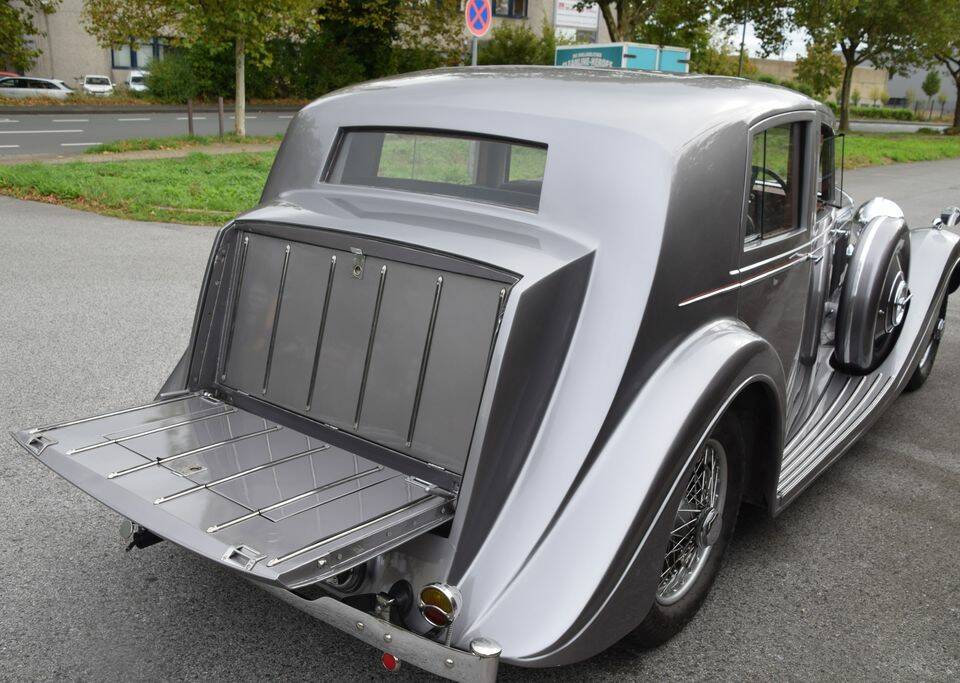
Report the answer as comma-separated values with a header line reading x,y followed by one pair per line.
x,y
696,524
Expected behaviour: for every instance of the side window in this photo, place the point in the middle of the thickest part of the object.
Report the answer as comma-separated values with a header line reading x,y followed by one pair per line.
x,y
776,181
826,170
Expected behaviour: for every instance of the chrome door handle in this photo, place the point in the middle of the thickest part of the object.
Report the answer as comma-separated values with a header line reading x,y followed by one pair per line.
x,y
809,256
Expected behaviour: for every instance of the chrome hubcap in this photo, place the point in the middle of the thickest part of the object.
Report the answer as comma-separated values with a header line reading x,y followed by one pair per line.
x,y
697,524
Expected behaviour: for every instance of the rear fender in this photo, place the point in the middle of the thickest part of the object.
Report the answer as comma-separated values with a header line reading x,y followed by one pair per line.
x,y
592,578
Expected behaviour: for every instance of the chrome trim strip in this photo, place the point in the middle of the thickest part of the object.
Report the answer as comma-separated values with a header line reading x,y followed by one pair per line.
x,y
61,425
370,341
323,326
155,430
194,451
424,359
300,496
819,455
758,264
227,343
237,475
346,532
276,319
798,457
741,284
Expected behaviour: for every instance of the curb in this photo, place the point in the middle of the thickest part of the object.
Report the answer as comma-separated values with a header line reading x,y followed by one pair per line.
x,y
138,108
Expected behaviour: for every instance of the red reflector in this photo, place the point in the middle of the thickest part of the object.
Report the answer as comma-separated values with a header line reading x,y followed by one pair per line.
x,y
390,662
435,615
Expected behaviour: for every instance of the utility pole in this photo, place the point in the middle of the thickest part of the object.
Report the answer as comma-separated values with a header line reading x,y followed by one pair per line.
x,y
473,50
743,40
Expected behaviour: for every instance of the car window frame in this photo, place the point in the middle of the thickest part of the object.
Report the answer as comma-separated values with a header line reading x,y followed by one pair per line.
x,y
808,117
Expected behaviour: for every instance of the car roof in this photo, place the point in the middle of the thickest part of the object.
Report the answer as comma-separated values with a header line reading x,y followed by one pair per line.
x,y
635,101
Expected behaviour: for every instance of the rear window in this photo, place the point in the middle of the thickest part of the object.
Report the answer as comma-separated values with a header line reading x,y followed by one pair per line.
x,y
483,169
97,80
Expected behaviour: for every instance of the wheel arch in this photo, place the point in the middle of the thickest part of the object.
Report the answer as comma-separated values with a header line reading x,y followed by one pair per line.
x,y
759,413
720,367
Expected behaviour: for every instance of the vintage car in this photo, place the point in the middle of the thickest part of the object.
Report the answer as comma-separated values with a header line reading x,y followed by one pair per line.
x,y
491,368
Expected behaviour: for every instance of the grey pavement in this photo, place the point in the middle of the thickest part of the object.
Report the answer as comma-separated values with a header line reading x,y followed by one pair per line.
x,y
894,126
859,580
22,134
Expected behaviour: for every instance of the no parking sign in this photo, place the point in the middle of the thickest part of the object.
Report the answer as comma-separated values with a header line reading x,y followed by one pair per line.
x,y
479,16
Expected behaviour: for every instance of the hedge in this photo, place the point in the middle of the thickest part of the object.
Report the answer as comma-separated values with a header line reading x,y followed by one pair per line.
x,y
894,113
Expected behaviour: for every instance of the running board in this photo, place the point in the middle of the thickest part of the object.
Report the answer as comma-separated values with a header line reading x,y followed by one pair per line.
x,y
281,507
845,404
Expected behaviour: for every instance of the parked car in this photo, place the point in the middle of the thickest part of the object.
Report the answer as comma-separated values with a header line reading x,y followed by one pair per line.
x,y
491,368
22,87
97,85
137,81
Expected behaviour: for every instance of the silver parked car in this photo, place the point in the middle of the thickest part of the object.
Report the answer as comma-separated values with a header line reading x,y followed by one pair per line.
x,y
22,87
496,361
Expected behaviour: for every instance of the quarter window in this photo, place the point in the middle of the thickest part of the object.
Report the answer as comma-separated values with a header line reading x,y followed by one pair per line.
x,y
776,179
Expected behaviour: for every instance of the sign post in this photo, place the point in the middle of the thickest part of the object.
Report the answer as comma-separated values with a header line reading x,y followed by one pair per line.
x,y
479,17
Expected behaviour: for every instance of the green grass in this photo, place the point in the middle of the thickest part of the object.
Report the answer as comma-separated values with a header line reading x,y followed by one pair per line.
x,y
180,142
210,189
879,149
201,189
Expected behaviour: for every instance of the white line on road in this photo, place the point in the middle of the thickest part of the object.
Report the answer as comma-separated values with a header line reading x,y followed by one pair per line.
x,y
195,118
9,146
142,118
284,117
28,132
78,144
246,117
9,121
71,120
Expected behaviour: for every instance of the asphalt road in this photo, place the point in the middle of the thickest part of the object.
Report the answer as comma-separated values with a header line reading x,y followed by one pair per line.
x,y
72,133
858,580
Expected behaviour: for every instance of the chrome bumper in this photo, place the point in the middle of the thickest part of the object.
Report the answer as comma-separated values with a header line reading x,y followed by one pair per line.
x,y
479,665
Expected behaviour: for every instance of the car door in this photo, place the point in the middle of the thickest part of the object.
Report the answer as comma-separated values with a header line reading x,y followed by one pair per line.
x,y
774,268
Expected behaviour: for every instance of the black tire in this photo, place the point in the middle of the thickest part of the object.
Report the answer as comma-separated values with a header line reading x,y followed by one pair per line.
x,y
663,621
922,373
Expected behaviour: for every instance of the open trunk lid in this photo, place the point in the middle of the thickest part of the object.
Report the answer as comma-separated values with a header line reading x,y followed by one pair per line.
x,y
239,489
333,391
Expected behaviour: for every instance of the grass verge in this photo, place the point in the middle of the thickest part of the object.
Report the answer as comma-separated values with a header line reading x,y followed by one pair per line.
x,y
205,189
200,189
880,149
180,142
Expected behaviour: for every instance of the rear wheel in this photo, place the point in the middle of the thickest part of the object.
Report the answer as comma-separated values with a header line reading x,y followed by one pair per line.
x,y
704,516
922,373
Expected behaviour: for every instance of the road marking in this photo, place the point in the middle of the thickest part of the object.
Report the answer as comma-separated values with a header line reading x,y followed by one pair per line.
x,y
195,118
29,132
79,144
71,120
284,117
9,146
143,118
246,117
9,121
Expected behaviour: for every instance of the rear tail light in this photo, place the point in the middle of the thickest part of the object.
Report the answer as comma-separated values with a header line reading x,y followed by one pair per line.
x,y
440,603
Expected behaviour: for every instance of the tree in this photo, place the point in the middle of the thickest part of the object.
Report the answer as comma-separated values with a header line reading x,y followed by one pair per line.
x,y
888,34
942,101
241,25
855,97
930,87
944,47
16,25
875,94
627,20
820,69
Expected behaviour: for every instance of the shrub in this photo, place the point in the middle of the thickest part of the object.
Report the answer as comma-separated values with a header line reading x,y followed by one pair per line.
x,y
515,43
928,131
171,79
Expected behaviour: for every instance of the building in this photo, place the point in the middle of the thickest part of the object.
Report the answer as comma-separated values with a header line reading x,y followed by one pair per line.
x,y
900,88
580,27
68,52
868,81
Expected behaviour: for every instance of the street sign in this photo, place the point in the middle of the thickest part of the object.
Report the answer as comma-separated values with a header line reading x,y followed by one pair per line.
x,y
479,16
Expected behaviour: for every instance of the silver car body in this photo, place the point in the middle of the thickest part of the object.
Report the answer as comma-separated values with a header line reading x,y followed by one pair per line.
x,y
22,87
610,328
97,85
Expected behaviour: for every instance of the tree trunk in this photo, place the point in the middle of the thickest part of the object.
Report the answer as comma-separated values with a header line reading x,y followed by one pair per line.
x,y
845,94
956,105
612,27
240,103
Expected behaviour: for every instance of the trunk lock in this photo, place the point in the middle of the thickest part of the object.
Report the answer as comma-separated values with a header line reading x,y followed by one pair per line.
x,y
358,262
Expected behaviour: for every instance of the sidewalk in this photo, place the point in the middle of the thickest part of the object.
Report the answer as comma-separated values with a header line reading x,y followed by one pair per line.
x,y
144,154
